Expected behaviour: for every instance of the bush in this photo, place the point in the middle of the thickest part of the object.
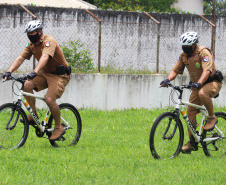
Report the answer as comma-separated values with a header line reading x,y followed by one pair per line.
x,y
78,57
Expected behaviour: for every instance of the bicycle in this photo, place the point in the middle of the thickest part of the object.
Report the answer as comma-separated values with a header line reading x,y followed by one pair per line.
x,y
14,132
167,133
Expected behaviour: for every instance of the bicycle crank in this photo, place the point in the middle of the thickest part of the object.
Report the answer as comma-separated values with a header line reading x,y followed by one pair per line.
x,y
62,138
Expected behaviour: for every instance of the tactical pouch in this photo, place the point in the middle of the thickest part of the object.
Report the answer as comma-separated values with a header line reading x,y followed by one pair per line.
x,y
60,70
208,80
218,76
68,70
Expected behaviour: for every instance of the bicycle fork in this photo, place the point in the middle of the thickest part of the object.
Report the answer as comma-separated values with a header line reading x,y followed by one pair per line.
x,y
12,115
168,126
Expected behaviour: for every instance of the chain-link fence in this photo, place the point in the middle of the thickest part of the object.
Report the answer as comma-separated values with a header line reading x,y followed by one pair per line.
x,y
131,47
168,33
14,40
11,39
121,40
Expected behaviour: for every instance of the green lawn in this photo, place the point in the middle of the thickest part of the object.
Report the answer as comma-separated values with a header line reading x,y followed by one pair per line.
x,y
113,149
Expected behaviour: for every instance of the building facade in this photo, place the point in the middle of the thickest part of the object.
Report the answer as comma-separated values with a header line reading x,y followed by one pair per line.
x,y
191,6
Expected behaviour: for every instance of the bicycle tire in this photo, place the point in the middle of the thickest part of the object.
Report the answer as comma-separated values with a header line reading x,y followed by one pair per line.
x,y
72,135
216,148
169,147
12,137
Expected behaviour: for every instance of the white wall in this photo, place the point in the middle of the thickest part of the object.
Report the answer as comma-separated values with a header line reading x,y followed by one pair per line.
x,y
108,92
192,6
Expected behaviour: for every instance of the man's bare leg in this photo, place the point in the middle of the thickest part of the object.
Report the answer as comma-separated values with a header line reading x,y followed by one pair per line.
x,y
208,103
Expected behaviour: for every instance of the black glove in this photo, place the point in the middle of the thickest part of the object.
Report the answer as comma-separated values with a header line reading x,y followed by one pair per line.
x,y
32,75
165,83
196,85
6,75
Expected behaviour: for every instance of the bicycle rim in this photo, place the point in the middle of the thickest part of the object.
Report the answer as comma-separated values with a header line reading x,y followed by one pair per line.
x,y
70,114
12,137
216,148
166,147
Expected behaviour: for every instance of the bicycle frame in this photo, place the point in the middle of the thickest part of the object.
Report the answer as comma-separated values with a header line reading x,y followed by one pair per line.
x,y
41,126
203,111
34,116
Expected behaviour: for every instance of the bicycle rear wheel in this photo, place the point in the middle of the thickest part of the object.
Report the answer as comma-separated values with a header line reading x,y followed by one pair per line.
x,y
216,148
13,133
166,139
70,115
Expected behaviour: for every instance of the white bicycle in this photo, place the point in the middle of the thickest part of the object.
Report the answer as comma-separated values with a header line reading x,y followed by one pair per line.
x,y
14,133
167,133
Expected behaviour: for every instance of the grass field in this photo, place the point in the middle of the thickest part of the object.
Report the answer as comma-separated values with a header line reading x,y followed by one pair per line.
x,y
113,149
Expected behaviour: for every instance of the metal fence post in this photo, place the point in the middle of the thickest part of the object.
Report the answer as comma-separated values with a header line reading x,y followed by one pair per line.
x,y
158,48
158,40
213,34
34,18
213,28
99,44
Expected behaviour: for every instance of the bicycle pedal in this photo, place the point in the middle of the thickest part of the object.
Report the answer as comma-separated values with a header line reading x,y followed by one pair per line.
x,y
62,138
195,149
186,151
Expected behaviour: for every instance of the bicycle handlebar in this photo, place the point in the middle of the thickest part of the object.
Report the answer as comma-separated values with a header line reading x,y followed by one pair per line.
x,y
179,88
22,80
186,86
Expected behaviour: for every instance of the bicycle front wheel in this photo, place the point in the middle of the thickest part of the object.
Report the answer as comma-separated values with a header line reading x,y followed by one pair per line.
x,y
166,137
13,133
71,116
216,148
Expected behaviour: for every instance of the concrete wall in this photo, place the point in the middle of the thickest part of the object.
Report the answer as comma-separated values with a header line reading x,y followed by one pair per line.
x,y
192,6
128,39
109,92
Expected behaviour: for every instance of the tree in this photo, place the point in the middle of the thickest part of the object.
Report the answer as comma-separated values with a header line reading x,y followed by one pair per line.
x,y
134,5
220,7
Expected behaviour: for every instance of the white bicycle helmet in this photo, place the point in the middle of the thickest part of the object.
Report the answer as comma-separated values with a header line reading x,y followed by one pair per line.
x,y
189,38
33,25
